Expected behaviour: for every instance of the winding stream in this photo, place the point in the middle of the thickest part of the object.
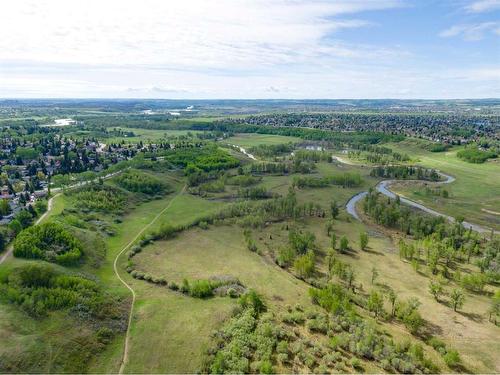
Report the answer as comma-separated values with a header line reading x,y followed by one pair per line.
x,y
384,188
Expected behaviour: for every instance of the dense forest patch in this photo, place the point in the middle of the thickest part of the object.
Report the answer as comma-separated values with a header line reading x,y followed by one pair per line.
x,y
139,182
97,197
50,242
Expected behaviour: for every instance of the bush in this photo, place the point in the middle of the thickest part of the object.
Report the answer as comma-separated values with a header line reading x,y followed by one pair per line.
x,y
253,300
452,359
200,289
203,225
266,367
232,293
173,285
437,344
474,155
356,363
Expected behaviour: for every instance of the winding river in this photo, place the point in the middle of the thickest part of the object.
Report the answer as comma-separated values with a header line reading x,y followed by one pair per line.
x,y
384,188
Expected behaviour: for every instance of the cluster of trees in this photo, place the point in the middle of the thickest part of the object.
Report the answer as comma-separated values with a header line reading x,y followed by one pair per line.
x,y
50,242
139,182
199,156
312,156
438,147
434,192
270,151
39,289
300,252
339,301
442,249
377,154
253,193
275,209
346,180
98,197
391,213
243,180
475,155
246,343
200,161
405,172
282,168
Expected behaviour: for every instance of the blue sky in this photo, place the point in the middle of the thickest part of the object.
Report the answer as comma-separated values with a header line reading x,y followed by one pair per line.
x,y
250,49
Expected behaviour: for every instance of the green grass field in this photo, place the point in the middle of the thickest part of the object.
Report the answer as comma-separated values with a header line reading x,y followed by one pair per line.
x,y
250,140
170,332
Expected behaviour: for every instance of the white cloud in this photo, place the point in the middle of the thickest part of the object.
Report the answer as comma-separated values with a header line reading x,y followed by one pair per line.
x,y
472,32
209,49
187,33
483,6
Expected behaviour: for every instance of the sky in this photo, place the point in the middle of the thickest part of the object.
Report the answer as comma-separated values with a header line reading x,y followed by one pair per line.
x,y
250,49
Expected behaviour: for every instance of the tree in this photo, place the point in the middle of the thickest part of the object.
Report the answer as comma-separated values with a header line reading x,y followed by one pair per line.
x,y
435,288
495,306
374,274
344,244
3,237
457,299
363,240
392,296
4,207
304,265
334,241
334,209
375,302
252,299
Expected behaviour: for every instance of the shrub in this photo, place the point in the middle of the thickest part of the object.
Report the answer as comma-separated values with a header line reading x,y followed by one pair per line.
x,y
356,363
266,367
452,359
437,344
173,285
305,264
474,155
203,225
253,300
200,289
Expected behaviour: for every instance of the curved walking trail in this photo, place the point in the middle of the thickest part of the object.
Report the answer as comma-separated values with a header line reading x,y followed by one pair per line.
x,y
132,291
384,188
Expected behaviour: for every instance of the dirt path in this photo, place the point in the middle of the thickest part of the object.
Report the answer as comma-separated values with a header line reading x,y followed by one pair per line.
x,y
115,268
10,248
